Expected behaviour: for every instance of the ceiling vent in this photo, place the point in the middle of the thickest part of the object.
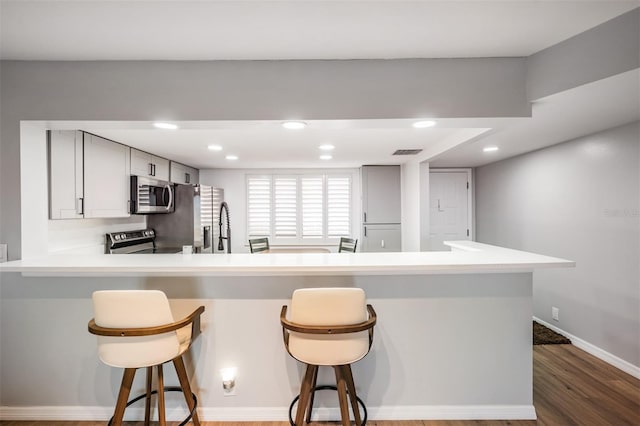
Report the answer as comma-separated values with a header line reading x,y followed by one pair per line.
x,y
407,151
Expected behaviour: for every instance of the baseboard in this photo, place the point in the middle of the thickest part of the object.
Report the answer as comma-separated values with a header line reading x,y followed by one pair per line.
x,y
607,357
435,412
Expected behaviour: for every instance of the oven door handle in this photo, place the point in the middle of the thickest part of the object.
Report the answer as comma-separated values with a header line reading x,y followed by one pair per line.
x,y
170,203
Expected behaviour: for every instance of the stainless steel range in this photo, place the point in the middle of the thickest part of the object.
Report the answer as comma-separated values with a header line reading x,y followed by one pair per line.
x,y
138,242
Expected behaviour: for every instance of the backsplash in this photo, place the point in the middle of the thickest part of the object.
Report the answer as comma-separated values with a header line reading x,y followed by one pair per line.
x,y
87,236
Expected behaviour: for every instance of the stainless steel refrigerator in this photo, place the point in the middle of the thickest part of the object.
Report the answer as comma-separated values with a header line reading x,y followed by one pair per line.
x,y
194,221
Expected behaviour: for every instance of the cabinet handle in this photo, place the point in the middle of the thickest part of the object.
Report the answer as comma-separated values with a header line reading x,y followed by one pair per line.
x,y
150,169
382,243
187,178
80,206
153,168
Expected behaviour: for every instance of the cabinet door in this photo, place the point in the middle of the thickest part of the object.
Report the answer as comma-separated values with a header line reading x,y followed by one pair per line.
x,y
182,174
160,168
66,189
381,194
107,175
145,164
381,238
141,164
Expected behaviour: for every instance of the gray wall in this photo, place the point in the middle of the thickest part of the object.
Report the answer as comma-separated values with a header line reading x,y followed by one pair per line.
x,y
608,49
239,90
578,200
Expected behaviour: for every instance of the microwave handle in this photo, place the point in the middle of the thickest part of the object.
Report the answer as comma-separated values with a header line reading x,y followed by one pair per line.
x,y
170,204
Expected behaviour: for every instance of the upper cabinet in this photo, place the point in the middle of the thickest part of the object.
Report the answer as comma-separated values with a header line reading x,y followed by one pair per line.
x,y
184,174
145,164
106,178
381,194
88,176
66,170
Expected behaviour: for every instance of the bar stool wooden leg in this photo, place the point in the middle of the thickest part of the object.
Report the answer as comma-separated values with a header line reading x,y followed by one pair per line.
x,y
305,393
123,395
313,394
178,363
161,414
147,404
351,388
342,395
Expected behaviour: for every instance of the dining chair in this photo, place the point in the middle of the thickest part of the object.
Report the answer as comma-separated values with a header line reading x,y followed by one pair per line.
x,y
347,245
257,245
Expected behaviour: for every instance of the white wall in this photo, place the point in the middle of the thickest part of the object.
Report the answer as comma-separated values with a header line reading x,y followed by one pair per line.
x,y
233,181
578,200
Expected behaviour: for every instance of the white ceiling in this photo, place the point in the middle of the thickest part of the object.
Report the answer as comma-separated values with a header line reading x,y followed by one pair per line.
x,y
352,29
349,29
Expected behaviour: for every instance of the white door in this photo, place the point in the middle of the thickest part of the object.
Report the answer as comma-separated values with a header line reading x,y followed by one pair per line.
x,y
449,208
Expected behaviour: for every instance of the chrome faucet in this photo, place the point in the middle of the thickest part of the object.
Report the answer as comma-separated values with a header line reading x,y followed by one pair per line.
x,y
224,207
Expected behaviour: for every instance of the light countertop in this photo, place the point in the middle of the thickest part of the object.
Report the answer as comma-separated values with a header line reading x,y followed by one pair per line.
x,y
465,257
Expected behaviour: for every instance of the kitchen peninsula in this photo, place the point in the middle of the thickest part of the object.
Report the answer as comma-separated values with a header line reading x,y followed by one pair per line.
x,y
453,338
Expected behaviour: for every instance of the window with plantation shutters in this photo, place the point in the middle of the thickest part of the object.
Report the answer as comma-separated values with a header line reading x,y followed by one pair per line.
x,y
339,206
312,207
285,207
259,206
299,209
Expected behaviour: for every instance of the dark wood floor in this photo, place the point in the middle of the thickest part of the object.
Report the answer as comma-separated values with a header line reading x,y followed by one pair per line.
x,y
570,387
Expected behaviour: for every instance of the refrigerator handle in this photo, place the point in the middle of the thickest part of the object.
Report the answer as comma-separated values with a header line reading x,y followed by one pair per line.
x,y
365,231
365,217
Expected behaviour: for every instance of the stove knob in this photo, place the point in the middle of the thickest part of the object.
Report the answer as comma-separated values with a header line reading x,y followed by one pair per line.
x,y
116,237
123,236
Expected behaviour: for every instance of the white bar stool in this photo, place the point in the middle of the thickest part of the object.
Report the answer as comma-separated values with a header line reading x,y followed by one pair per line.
x,y
328,327
136,329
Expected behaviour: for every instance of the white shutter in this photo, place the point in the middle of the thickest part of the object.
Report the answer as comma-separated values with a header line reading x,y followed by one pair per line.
x,y
285,209
312,207
258,206
338,206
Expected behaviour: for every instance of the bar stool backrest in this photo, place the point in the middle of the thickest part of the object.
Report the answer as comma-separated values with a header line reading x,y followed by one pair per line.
x,y
134,309
328,307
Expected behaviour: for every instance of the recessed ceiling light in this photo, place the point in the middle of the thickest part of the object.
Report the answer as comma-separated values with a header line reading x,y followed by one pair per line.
x,y
294,125
424,123
326,147
326,157
231,157
490,149
166,126
215,148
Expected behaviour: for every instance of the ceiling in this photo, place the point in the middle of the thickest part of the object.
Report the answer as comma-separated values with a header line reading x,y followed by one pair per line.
x,y
352,29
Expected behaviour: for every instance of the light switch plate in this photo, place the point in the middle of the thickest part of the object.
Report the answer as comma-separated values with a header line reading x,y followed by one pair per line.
x,y
3,253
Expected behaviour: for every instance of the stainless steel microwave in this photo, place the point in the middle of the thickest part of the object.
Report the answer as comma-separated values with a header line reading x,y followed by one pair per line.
x,y
151,196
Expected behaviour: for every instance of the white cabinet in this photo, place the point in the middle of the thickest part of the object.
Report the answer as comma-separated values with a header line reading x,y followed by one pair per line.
x,y
381,238
107,169
145,164
381,194
66,180
184,174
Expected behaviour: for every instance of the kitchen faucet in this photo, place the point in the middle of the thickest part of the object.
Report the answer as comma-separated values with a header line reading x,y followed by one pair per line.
x,y
224,207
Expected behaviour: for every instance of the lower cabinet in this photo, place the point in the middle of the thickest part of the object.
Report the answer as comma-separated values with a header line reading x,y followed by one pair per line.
x,y
381,238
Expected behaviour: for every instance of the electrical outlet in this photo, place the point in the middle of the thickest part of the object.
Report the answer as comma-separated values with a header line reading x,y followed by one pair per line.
x,y
555,313
229,392
3,253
